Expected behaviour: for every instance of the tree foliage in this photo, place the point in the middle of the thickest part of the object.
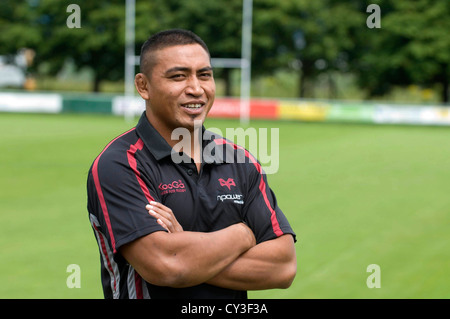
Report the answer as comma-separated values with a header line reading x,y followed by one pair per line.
x,y
311,37
412,46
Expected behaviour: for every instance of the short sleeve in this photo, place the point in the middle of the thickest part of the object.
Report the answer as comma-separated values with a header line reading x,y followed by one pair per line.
x,y
261,211
117,196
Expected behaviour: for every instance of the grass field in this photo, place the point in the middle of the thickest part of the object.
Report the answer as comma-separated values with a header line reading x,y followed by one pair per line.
x,y
355,194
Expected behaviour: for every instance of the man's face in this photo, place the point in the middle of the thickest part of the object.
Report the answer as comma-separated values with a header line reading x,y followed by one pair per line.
x,y
181,87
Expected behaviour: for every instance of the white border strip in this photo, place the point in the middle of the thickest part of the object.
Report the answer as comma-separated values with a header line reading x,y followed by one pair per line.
x,y
31,102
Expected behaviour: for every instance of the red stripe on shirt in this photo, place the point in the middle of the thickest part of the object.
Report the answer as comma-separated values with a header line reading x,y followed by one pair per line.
x,y
262,185
105,253
138,284
131,154
100,192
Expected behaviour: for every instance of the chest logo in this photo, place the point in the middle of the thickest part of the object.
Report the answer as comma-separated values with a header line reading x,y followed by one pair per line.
x,y
173,187
228,183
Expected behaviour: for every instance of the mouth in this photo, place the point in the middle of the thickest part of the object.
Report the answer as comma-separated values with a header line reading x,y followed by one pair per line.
x,y
193,105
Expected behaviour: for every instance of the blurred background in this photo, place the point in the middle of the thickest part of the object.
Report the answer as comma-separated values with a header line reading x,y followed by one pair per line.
x,y
300,49
361,101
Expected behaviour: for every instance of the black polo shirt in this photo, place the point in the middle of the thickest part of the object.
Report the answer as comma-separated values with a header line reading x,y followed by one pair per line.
x,y
139,166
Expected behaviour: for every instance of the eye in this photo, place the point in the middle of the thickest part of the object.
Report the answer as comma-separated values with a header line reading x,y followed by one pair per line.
x,y
205,75
179,76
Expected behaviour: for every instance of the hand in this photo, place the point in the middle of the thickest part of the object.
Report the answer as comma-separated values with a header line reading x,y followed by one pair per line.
x,y
164,217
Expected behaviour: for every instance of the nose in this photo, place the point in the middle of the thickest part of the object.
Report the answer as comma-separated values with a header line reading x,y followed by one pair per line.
x,y
194,87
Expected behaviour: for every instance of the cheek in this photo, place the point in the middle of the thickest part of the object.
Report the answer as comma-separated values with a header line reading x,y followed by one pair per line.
x,y
163,98
211,89
174,91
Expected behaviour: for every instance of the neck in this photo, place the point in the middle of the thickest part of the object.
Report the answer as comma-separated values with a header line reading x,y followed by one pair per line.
x,y
187,140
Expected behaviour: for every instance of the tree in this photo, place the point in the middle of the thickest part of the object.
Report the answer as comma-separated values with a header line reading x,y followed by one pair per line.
x,y
218,23
42,25
312,36
411,47
98,44
15,31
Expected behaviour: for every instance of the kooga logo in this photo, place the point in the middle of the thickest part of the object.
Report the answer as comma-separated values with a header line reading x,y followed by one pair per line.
x,y
174,187
174,184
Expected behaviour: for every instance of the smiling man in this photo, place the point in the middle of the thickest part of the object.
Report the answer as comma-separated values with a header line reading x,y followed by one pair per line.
x,y
205,227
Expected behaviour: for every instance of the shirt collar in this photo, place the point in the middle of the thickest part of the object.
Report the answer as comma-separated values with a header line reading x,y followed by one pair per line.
x,y
160,149
154,142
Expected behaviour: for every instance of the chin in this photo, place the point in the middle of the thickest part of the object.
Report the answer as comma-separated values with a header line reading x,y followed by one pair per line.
x,y
193,122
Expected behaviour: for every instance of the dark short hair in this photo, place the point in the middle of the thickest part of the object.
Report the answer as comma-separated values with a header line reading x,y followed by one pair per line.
x,y
166,39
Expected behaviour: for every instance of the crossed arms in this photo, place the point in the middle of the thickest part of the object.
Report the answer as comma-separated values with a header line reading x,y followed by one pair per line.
x,y
227,258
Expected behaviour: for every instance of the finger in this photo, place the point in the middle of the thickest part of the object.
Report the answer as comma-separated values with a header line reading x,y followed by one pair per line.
x,y
154,214
163,211
166,214
157,204
155,210
159,221
160,216
166,223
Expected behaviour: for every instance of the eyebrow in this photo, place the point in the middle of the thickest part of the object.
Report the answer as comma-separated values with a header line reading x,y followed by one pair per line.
x,y
186,69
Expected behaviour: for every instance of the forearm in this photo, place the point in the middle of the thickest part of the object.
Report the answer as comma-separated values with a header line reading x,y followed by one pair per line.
x,y
185,259
204,255
271,264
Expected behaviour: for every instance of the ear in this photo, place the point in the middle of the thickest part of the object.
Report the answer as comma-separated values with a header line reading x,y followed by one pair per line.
x,y
141,83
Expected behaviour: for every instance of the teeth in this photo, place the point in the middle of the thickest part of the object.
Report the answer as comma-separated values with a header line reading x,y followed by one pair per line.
x,y
193,106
